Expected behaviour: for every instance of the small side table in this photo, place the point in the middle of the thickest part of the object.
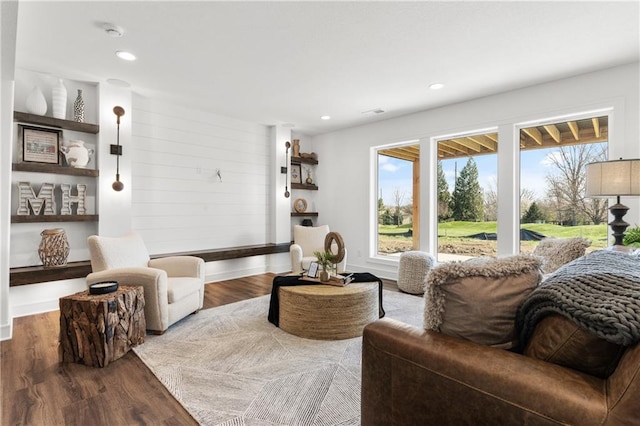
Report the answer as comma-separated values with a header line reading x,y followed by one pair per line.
x,y
98,329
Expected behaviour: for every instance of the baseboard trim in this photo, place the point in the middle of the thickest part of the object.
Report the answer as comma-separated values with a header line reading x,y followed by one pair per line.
x,y
6,331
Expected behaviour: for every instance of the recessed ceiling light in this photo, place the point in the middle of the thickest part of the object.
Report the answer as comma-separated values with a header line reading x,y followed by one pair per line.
x,y
325,117
436,86
127,56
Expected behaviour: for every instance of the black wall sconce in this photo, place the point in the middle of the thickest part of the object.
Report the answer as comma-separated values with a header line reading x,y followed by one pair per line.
x,y
285,171
117,150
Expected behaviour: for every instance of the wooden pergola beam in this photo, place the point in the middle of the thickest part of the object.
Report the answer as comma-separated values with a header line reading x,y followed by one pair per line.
x,y
596,126
573,126
553,132
534,134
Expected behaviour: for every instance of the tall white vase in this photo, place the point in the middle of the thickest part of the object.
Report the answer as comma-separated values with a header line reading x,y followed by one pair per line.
x,y
59,100
36,103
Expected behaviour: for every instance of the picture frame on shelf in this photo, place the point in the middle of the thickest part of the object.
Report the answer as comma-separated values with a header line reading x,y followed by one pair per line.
x,y
40,145
296,173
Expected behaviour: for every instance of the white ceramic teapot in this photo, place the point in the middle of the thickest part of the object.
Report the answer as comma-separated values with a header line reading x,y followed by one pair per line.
x,y
76,154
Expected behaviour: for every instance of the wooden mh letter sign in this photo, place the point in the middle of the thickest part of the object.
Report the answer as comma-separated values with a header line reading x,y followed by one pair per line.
x,y
30,203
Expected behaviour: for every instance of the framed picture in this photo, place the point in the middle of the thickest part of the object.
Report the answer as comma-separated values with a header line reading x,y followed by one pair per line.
x,y
296,173
313,270
40,145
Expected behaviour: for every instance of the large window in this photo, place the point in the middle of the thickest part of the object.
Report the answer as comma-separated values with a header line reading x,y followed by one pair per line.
x,y
553,157
398,192
467,201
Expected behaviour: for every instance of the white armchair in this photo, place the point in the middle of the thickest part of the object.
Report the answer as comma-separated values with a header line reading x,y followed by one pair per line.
x,y
306,241
173,286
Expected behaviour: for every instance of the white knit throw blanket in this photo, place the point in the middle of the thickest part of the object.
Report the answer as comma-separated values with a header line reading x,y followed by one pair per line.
x,y
600,292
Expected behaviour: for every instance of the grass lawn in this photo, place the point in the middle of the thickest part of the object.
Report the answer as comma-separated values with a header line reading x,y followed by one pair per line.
x,y
597,234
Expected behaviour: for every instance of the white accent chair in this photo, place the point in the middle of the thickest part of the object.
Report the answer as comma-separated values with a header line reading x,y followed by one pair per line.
x,y
173,285
306,241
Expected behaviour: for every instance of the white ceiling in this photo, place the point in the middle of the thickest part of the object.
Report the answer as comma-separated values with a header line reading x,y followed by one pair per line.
x,y
291,62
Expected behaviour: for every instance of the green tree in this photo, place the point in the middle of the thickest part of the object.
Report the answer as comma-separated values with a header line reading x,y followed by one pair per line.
x,y
386,218
444,197
533,214
467,200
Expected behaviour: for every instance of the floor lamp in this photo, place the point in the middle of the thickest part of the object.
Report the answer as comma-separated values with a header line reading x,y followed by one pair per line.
x,y
614,178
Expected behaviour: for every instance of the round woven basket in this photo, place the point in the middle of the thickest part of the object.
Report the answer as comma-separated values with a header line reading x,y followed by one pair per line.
x,y
327,312
54,247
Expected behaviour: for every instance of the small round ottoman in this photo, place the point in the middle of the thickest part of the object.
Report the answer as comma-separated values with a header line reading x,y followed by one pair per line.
x,y
327,312
414,267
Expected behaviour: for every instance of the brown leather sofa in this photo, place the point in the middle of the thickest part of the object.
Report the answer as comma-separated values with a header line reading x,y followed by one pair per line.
x,y
415,377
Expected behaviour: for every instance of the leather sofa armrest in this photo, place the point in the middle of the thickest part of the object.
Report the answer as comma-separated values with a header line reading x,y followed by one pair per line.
x,y
154,283
413,376
180,266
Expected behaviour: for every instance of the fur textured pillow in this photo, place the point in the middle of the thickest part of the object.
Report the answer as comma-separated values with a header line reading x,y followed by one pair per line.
x,y
478,300
556,252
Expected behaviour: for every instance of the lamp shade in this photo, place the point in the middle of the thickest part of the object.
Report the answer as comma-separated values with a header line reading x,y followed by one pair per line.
x,y
613,178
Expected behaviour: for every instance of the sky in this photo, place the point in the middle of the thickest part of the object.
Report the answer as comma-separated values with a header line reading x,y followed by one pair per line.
x,y
394,173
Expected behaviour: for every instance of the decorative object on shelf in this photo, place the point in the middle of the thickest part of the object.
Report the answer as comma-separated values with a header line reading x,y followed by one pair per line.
x,y
76,154
78,108
117,185
306,222
36,103
103,287
614,178
300,205
296,173
296,147
40,145
68,199
27,197
311,155
59,100
54,247
287,194
308,180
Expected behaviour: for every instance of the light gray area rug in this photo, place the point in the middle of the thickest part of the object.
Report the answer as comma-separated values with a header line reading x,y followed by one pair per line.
x,y
229,366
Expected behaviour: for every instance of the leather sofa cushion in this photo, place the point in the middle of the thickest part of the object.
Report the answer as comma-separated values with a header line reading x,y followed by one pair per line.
x,y
558,340
477,300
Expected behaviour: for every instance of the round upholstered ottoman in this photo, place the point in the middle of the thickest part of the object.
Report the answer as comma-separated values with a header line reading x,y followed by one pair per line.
x,y
414,267
327,312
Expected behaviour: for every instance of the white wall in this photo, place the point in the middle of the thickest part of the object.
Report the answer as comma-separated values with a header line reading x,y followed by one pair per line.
x,y
347,199
179,201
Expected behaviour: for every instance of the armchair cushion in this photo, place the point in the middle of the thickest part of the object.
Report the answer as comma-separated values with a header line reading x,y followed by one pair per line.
x,y
559,340
118,252
555,252
180,287
478,300
310,238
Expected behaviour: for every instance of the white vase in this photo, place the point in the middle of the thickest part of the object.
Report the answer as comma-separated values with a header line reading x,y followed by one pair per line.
x,y
76,154
36,103
59,100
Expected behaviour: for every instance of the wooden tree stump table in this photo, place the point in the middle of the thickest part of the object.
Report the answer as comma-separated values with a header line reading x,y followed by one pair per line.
x,y
98,329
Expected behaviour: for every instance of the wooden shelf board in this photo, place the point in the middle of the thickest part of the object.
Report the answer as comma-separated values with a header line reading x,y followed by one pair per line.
x,y
55,218
38,274
300,160
312,214
304,186
43,120
54,169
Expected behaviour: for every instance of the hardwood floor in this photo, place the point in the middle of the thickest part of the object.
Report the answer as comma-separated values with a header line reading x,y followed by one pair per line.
x,y
37,390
